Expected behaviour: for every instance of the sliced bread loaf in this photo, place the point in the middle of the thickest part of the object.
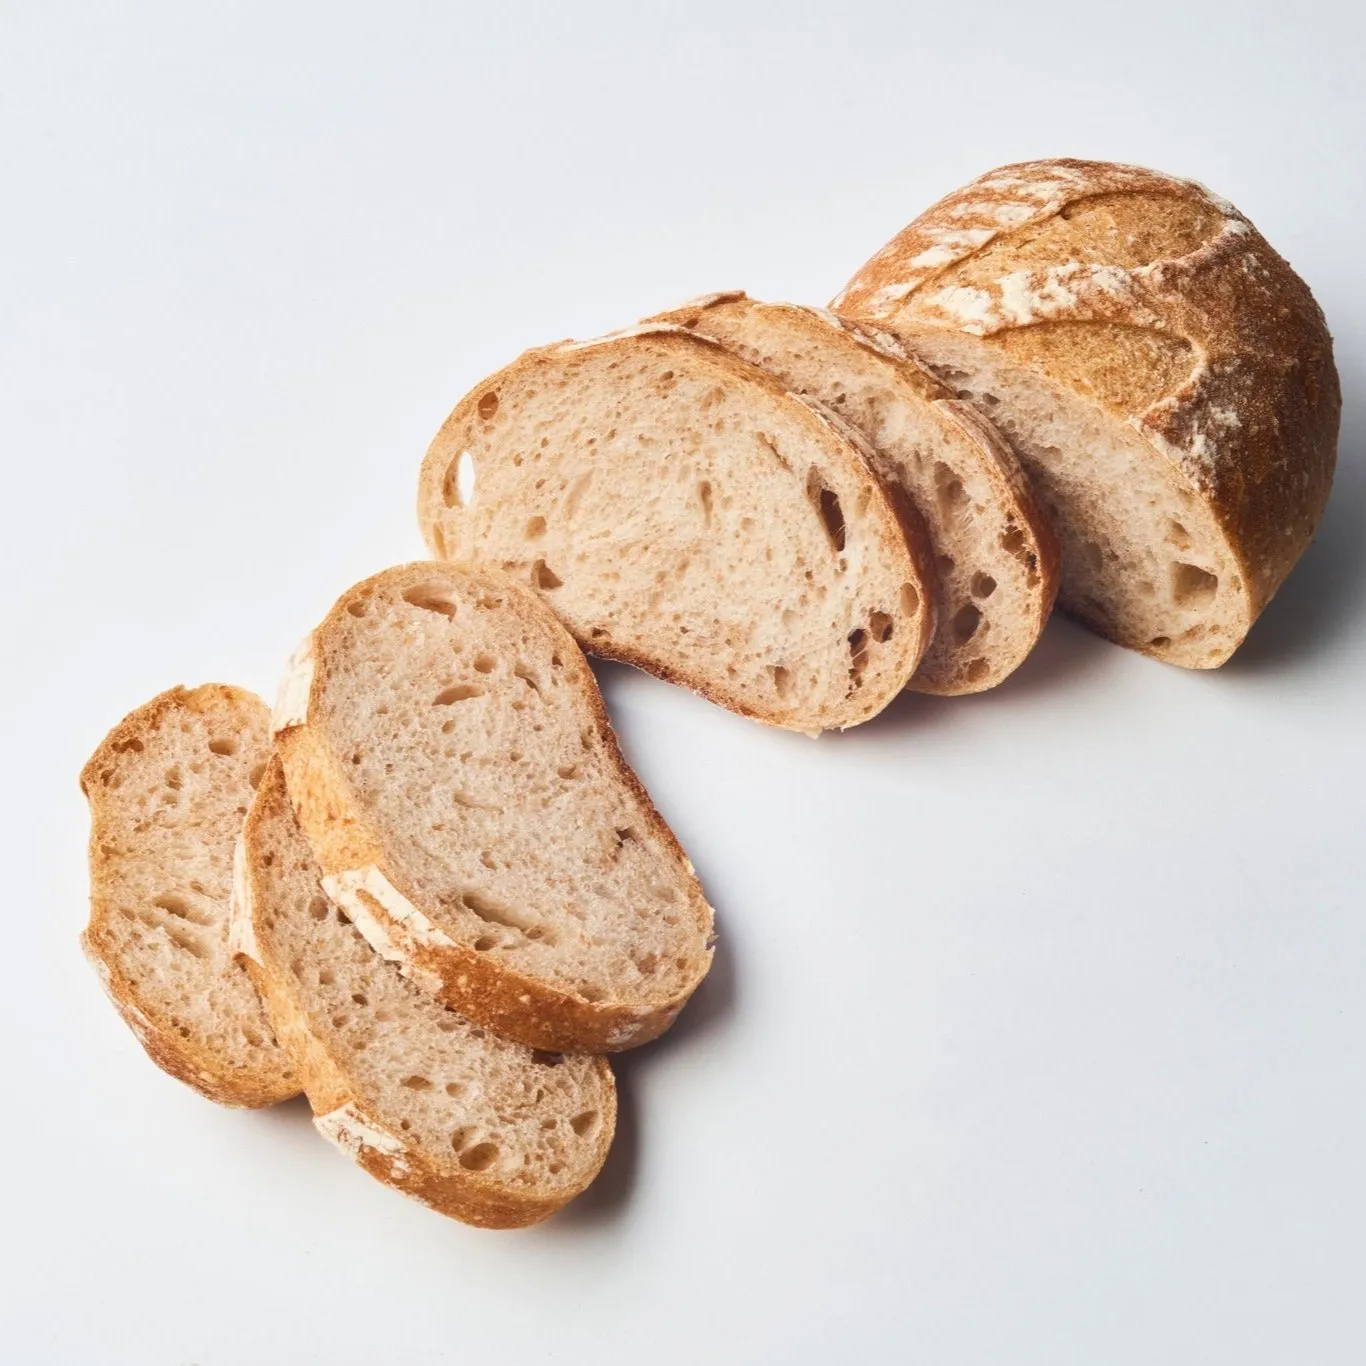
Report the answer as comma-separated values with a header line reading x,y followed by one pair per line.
x,y
450,761
1166,377
485,1130
995,553
168,791
681,511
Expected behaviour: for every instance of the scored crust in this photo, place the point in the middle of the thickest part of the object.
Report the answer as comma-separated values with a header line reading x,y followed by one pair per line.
x,y
1153,298
349,1110
361,862
894,562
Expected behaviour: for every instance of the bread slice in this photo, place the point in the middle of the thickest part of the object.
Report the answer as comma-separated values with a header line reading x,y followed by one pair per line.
x,y
450,761
1166,377
995,552
168,790
484,1130
681,511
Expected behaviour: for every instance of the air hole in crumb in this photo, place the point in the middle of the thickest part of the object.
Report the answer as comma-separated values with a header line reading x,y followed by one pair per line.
x,y
583,1123
485,942
591,994
225,745
317,908
1160,642
457,692
488,405
965,622
258,771
326,977
880,627
174,779
455,1088
949,493
782,679
358,607
977,670
480,1157
983,585
858,655
430,597
542,576
1177,535
417,1083
1193,586
704,497
535,528
546,1058
910,599
484,664
360,998
447,1027
568,771
827,504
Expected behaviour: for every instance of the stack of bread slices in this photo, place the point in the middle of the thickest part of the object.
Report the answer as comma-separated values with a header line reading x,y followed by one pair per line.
x,y
430,894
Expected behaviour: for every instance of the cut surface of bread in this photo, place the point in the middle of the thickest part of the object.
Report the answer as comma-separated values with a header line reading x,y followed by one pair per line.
x,y
482,1129
450,760
1166,377
681,511
995,553
168,790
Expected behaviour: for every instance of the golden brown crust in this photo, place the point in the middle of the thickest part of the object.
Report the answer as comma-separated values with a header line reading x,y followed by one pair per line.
x,y
203,1071
1159,301
888,517
490,993
470,1196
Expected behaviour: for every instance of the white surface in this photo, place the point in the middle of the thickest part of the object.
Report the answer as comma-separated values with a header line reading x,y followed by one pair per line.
x,y
1038,1033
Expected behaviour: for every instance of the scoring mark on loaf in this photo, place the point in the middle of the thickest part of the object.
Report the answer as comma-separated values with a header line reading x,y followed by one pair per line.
x,y
345,1127
291,702
241,928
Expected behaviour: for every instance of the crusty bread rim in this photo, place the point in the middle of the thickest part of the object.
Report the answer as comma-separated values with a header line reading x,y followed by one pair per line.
x,y
360,872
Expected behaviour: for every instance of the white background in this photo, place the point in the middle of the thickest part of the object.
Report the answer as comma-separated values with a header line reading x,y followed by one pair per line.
x,y
1038,1031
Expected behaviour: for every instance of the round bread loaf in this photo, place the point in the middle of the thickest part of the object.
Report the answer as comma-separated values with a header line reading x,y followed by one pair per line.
x,y
1166,377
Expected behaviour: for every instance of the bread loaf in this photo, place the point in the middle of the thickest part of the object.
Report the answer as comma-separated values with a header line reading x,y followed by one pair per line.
x,y
1166,377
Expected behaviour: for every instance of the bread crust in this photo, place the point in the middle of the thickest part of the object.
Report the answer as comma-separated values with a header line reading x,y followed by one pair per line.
x,y
996,462
341,1116
899,541
201,1070
490,993
1249,426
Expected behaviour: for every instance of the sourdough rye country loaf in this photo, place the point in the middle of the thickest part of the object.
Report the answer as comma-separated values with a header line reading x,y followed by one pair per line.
x,y
680,510
168,790
450,761
479,1128
996,560
1166,377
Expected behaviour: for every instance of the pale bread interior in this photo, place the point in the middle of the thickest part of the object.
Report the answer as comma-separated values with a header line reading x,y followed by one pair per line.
x,y
988,604
1143,559
169,791
677,510
448,1094
469,728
